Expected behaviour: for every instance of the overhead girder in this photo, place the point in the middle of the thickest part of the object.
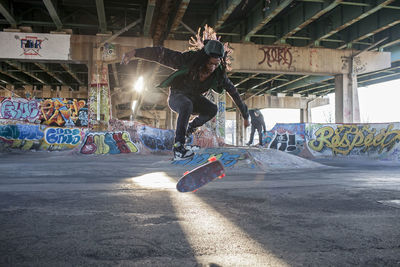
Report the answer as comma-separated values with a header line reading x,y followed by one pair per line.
x,y
101,14
22,68
51,73
344,16
73,74
260,16
51,8
301,16
15,76
5,11
371,25
223,10
162,22
151,4
180,12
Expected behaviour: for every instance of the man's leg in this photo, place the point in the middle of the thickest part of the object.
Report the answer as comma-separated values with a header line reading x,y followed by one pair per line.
x,y
253,129
260,136
206,110
182,105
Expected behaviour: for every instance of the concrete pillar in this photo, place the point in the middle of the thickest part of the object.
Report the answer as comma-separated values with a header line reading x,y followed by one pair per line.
x,y
239,129
347,109
99,96
304,112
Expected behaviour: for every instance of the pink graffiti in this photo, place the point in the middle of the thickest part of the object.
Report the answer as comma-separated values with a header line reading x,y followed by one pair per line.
x,y
281,55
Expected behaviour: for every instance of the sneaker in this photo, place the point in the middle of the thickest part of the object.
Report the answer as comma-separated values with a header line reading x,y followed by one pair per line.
x,y
180,152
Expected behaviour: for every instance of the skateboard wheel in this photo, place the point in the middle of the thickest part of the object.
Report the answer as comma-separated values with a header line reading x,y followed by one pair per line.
x,y
212,159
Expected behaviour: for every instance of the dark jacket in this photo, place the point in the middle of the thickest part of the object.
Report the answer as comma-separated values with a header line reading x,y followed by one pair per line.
x,y
257,121
180,82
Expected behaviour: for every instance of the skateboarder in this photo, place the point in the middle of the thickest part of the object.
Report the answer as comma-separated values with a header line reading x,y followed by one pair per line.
x,y
257,122
197,72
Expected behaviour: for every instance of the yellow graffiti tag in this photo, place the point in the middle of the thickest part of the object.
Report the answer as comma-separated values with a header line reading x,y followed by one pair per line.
x,y
347,137
132,147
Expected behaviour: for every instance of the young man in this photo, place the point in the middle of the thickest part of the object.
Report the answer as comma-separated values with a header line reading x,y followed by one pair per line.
x,y
257,122
197,72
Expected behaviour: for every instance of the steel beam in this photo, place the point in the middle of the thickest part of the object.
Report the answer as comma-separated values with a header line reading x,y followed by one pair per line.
x,y
151,4
72,73
345,16
53,13
222,12
260,16
49,72
183,5
14,76
302,15
101,14
23,69
371,25
4,10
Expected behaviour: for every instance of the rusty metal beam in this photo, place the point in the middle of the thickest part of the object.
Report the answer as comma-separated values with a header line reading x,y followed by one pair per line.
x,y
183,5
23,69
222,12
72,73
151,5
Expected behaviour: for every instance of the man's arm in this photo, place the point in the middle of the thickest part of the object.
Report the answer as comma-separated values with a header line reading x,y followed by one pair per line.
x,y
232,91
162,55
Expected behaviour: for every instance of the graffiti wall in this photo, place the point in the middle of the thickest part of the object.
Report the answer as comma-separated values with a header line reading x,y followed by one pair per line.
x,y
376,141
38,137
380,141
286,138
54,112
108,143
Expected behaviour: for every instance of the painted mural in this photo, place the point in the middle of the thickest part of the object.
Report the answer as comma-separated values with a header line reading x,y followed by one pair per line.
x,y
38,137
371,140
64,112
53,112
108,143
286,138
19,109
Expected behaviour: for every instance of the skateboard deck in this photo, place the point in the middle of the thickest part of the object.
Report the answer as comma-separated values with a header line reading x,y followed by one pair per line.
x,y
196,178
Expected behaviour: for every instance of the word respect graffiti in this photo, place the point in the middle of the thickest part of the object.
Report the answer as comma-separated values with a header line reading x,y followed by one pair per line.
x,y
108,143
347,137
281,55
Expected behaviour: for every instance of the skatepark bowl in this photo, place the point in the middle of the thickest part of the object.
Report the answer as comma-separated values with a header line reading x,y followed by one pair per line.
x,y
271,209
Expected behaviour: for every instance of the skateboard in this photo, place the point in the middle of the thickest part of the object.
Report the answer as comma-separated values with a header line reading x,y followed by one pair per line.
x,y
192,180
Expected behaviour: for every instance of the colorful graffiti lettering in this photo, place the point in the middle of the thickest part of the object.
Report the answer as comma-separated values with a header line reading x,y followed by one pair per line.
x,y
21,132
108,143
347,137
19,109
227,159
281,55
63,112
156,139
62,136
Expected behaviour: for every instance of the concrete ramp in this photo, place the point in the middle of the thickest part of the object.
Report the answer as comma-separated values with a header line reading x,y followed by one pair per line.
x,y
249,158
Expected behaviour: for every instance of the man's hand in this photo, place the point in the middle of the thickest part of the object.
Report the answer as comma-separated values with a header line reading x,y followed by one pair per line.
x,y
128,56
246,123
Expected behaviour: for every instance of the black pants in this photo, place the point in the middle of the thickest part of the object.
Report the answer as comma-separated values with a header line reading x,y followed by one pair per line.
x,y
253,130
187,105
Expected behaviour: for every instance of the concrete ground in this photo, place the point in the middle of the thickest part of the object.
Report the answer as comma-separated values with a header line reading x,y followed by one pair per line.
x,y
60,209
